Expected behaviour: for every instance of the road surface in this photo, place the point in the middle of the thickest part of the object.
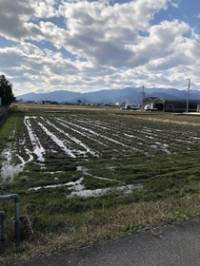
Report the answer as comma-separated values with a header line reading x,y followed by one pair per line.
x,y
172,245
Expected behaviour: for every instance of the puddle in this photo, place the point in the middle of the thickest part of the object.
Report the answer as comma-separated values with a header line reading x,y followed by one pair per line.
x,y
87,193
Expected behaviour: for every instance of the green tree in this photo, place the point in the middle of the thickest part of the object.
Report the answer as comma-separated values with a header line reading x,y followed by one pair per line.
x,y
6,92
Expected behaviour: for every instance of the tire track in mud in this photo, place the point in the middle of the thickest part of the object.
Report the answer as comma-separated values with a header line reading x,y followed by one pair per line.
x,y
109,140
38,149
57,141
73,139
85,135
127,139
168,143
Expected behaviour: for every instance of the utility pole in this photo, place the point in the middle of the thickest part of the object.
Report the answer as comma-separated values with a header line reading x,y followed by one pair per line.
x,y
143,96
188,96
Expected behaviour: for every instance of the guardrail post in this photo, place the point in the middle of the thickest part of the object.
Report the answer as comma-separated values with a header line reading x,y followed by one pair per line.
x,y
15,198
17,220
2,218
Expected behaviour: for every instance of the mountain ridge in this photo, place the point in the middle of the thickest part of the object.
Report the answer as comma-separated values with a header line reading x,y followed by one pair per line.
x,y
128,95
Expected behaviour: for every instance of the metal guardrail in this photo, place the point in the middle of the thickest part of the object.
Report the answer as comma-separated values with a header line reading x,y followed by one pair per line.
x,y
16,199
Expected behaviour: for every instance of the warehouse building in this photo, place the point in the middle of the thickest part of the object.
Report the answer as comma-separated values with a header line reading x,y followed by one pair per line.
x,y
177,106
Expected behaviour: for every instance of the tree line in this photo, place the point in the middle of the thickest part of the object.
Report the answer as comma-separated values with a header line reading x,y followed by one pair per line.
x,y
6,91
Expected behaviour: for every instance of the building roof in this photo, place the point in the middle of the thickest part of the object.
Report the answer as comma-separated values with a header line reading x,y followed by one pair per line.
x,y
173,100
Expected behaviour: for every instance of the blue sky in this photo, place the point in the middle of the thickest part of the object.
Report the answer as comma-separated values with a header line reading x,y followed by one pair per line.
x,y
88,45
187,11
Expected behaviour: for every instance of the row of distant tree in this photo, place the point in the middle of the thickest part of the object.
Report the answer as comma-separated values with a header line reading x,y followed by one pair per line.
x,y
6,91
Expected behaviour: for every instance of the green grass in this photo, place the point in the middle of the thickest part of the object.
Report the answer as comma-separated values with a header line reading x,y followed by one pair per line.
x,y
6,131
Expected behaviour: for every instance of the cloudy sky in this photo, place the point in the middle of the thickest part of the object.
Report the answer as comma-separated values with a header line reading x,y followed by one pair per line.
x,y
89,45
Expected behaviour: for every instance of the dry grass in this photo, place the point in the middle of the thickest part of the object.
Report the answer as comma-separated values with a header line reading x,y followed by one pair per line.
x,y
168,119
25,107
109,223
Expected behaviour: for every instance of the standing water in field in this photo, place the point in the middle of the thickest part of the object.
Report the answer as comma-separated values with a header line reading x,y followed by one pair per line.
x,y
38,149
8,169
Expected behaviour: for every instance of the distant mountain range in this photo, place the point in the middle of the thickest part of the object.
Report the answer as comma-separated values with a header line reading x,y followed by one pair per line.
x,y
113,96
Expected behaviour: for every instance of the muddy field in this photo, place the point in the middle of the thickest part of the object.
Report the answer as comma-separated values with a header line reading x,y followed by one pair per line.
x,y
90,155
77,171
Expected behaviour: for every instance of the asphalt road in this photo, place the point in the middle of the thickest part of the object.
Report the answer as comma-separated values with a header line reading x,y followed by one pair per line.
x,y
173,245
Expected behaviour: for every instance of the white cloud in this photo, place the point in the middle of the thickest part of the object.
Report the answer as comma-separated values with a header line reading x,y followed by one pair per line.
x,y
44,8
13,15
103,44
102,32
162,41
16,15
